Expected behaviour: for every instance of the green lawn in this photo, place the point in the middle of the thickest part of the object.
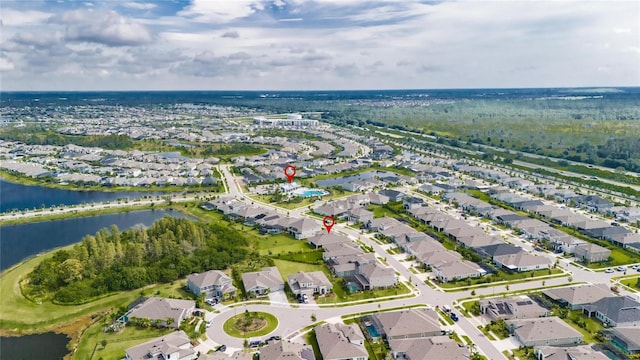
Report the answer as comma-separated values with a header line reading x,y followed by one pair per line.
x,y
291,267
230,328
343,296
589,327
116,342
632,282
278,244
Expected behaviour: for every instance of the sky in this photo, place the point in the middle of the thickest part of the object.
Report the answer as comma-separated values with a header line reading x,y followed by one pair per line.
x,y
317,44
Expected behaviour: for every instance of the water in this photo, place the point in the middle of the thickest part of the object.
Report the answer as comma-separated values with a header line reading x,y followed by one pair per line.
x,y
21,241
311,192
347,179
47,346
25,197
371,329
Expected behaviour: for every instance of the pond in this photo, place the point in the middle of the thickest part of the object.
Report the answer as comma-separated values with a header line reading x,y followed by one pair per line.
x,y
46,346
26,197
340,181
21,241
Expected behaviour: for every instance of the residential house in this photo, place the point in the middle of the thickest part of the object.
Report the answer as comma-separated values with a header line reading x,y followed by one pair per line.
x,y
371,276
286,350
315,282
522,261
576,297
219,355
341,342
435,347
410,202
262,282
626,338
579,352
173,346
378,199
303,228
323,239
615,311
512,308
359,215
544,331
213,283
165,312
591,252
451,271
407,324
393,195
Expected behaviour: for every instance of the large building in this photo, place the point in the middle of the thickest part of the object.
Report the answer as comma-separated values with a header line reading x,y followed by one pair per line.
x,y
292,120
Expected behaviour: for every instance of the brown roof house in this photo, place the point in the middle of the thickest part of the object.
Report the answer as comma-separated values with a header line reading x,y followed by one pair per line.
x,y
213,283
435,347
458,270
407,324
166,312
262,282
544,331
580,352
341,342
174,346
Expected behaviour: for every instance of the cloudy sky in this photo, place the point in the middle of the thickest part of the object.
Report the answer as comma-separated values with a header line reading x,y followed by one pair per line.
x,y
317,44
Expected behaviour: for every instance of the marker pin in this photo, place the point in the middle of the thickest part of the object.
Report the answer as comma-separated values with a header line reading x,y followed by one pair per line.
x,y
328,223
290,172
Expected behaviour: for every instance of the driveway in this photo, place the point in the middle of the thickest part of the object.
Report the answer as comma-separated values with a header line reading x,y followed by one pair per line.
x,y
278,297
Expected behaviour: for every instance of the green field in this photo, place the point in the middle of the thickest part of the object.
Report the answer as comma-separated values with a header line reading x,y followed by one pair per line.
x,y
231,329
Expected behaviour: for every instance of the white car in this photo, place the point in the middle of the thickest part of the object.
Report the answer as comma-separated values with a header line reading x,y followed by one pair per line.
x,y
609,271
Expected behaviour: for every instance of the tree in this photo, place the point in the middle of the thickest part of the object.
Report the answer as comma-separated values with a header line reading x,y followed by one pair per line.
x,y
104,343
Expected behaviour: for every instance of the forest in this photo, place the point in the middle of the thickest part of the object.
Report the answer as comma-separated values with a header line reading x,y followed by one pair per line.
x,y
39,135
112,260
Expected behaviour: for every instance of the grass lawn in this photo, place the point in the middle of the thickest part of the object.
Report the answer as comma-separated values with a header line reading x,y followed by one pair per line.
x,y
291,267
271,323
343,296
116,342
591,325
632,282
277,244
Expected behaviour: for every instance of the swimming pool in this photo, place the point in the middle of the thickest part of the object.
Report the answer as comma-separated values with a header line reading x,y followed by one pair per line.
x,y
371,329
311,192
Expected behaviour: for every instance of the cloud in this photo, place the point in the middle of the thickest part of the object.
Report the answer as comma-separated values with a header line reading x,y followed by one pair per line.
x,y
107,28
6,64
13,17
138,5
220,11
232,34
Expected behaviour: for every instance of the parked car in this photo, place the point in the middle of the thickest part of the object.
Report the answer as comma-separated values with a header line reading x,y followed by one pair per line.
x,y
609,271
621,268
454,317
221,348
254,344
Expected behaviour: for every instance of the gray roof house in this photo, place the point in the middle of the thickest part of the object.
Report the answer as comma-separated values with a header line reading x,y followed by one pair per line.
x,y
323,238
284,350
591,252
626,338
161,309
512,308
522,261
615,311
341,342
371,276
315,282
174,346
262,282
452,271
213,283
407,324
580,352
219,355
435,347
576,297
303,228
544,331
359,215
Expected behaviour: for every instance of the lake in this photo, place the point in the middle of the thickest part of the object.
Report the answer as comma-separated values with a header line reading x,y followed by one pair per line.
x,y
47,346
347,179
24,197
21,241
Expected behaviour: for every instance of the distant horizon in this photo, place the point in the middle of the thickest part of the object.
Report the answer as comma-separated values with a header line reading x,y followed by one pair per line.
x,y
331,90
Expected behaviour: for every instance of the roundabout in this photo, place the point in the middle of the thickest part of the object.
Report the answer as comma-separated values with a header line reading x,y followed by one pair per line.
x,y
250,324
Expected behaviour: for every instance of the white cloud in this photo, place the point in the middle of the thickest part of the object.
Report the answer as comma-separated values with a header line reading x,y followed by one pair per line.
x,y
103,27
139,5
220,11
13,17
6,64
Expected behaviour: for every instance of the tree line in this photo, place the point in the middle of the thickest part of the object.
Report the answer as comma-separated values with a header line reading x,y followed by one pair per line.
x,y
112,260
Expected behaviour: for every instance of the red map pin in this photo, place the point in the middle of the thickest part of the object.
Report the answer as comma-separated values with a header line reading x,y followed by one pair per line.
x,y
290,172
328,223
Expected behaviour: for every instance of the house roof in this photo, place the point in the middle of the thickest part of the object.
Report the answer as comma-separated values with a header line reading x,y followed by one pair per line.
x,y
211,277
521,259
579,352
620,309
459,268
314,277
323,239
541,329
281,350
408,322
266,278
156,308
579,295
334,343
372,271
166,345
435,347
630,335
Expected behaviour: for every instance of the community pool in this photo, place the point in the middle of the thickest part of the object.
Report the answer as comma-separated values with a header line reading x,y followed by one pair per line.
x,y
310,192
